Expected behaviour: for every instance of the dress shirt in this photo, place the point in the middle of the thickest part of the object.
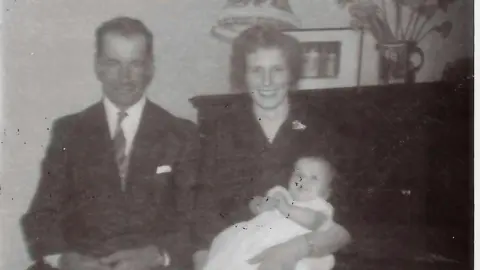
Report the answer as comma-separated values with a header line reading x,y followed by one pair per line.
x,y
129,124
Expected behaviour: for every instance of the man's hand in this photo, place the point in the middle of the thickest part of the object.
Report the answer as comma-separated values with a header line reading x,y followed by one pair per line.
x,y
76,261
134,259
284,256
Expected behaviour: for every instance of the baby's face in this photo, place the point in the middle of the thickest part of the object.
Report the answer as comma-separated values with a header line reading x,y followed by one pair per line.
x,y
310,180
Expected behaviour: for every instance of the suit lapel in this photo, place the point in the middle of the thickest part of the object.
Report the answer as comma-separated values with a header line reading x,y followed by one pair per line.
x,y
96,130
149,144
97,145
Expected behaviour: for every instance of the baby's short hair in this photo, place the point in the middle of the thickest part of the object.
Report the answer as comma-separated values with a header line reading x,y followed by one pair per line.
x,y
321,159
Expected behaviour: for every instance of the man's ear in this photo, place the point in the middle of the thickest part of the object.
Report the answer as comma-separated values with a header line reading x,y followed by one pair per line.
x,y
96,67
149,71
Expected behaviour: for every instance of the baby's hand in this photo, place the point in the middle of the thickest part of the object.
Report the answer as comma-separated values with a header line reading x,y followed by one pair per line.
x,y
283,202
268,204
254,204
281,197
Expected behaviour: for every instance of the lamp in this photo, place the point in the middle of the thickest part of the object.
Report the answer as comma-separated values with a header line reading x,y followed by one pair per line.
x,y
238,15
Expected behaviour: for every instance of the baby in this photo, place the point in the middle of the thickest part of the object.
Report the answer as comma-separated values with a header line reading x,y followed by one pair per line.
x,y
280,216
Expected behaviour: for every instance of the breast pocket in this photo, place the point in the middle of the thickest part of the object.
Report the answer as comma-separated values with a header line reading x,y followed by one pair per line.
x,y
161,181
149,186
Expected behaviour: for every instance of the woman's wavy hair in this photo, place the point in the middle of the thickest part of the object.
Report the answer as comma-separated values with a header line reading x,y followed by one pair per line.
x,y
263,37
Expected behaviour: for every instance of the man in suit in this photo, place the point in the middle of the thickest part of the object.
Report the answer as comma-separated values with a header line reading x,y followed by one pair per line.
x,y
116,179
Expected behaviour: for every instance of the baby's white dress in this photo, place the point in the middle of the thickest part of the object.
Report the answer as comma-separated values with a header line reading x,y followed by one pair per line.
x,y
233,247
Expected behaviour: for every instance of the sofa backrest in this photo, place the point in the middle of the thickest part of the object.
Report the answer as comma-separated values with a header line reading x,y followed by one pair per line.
x,y
410,150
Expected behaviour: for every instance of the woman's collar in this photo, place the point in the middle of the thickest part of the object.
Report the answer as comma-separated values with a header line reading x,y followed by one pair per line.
x,y
282,113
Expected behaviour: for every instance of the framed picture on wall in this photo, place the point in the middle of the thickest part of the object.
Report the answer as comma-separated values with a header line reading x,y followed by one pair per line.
x,y
332,57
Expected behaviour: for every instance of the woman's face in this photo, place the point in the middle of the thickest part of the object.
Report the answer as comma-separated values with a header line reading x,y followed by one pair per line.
x,y
267,78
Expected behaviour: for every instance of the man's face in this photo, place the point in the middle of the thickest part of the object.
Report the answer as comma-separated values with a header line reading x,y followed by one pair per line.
x,y
124,68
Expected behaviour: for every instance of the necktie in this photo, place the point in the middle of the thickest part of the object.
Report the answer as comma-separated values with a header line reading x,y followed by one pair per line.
x,y
119,144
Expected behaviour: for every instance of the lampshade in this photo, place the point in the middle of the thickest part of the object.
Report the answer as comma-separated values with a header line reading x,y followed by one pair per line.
x,y
238,15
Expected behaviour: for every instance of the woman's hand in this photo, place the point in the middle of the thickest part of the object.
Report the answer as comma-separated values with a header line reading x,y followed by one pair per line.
x,y
284,256
200,259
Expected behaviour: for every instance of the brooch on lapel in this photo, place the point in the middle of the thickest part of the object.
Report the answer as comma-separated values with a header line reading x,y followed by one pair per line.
x,y
163,169
297,125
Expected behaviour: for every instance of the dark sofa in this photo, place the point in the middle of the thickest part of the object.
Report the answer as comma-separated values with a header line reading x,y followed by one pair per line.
x,y
405,192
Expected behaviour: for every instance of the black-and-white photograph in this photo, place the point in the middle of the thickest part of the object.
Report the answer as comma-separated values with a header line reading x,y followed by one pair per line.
x,y
237,135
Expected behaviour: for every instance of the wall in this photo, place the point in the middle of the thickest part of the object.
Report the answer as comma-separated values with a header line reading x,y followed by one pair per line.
x,y
48,73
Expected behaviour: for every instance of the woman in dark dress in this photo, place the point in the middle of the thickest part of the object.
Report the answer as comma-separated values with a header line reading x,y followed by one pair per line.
x,y
254,146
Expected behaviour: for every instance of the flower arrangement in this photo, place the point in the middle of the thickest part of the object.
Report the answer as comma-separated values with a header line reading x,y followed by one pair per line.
x,y
367,14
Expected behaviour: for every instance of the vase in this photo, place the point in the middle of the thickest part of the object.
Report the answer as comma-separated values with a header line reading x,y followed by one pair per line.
x,y
399,62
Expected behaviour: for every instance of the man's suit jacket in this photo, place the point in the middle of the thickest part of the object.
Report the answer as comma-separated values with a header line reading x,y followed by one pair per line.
x,y
79,205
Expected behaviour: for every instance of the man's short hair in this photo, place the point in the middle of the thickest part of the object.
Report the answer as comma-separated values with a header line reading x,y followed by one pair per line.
x,y
126,27
322,159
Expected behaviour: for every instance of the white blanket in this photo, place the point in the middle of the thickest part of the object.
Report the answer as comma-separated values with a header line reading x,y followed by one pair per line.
x,y
233,247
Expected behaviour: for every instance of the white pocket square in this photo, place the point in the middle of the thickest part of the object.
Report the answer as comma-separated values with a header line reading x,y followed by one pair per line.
x,y
163,169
